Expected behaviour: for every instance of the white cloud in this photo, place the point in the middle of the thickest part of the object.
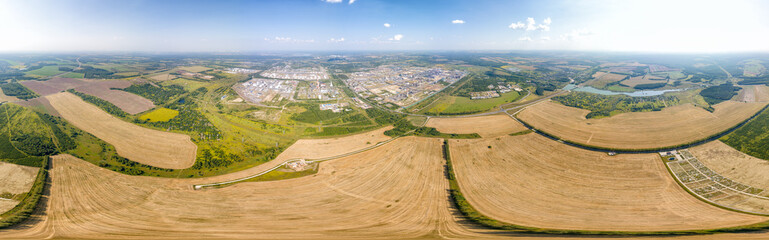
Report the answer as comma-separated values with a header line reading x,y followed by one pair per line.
x,y
336,40
387,25
516,26
545,38
397,37
531,25
524,39
332,1
352,1
458,21
577,34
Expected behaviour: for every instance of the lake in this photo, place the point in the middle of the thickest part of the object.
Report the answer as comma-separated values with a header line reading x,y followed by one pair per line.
x,y
641,93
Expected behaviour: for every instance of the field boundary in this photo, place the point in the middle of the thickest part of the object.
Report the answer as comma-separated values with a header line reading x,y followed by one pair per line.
x,y
689,144
225,183
30,202
705,199
472,214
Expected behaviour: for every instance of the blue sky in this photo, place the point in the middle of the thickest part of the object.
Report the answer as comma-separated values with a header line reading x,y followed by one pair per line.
x,y
202,26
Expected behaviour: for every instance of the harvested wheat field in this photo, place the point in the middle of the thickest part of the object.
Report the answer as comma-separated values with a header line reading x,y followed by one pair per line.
x,y
753,93
54,85
733,164
645,79
533,181
638,130
128,102
6,98
486,126
396,191
151,147
309,149
600,79
41,104
14,179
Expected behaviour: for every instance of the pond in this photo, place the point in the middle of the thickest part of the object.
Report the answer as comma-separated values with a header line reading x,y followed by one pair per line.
x,y
641,93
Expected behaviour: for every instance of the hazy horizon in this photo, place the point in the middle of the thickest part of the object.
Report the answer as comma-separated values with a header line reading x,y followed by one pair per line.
x,y
375,25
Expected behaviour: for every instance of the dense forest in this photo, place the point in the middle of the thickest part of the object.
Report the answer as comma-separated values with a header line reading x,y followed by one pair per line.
x,y
158,95
720,93
605,105
17,90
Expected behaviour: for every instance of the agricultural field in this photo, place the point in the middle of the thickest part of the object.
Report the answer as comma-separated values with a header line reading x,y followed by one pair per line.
x,y
602,79
102,89
752,138
396,191
753,68
453,105
126,101
533,181
645,79
72,75
671,126
159,115
45,71
147,146
733,164
163,77
15,180
195,69
722,190
486,126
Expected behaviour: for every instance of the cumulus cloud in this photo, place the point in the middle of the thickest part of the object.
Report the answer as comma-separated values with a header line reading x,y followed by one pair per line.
x,y
397,37
545,38
387,25
524,39
332,1
352,1
516,26
577,34
336,40
531,25
458,21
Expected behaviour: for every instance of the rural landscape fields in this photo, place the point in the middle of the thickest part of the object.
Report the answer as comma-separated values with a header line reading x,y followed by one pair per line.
x,y
190,149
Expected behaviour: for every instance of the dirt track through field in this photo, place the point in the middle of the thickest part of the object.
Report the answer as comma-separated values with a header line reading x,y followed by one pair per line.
x,y
486,126
396,191
148,146
638,130
533,181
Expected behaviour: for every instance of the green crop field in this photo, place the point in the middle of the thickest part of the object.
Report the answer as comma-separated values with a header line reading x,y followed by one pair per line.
x,y
73,75
46,71
453,105
159,115
752,138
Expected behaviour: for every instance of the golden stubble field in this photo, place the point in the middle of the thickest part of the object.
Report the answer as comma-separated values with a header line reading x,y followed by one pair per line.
x,y
638,130
733,164
396,191
486,126
533,181
309,149
147,146
14,179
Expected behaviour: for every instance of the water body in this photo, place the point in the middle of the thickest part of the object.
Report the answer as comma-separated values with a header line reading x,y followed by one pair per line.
x,y
642,93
